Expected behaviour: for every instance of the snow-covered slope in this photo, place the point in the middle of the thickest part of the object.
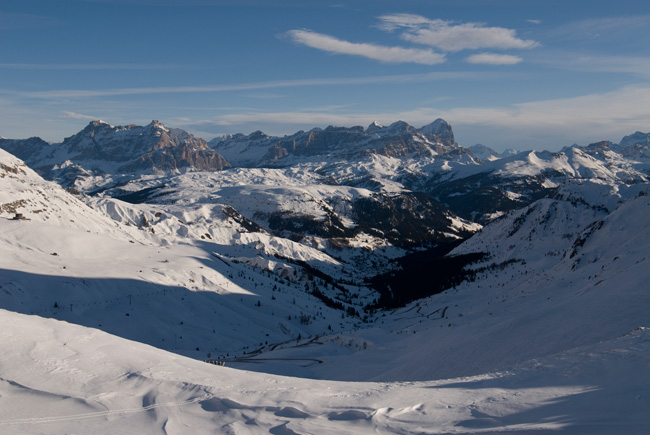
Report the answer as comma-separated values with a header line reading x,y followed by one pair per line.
x,y
62,378
304,206
230,291
25,192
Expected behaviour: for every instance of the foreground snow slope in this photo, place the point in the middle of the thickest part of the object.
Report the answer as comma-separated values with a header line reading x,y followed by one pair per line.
x,y
62,378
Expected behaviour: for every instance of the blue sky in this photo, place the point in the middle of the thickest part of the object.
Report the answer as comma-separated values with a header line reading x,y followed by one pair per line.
x,y
506,73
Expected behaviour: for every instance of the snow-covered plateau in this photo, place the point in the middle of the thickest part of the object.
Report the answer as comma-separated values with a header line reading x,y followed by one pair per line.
x,y
337,281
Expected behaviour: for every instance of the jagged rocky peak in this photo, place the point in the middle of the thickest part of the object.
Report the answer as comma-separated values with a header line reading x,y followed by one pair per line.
x,y
439,131
258,135
485,153
156,123
98,123
638,138
374,128
400,127
597,147
153,147
334,129
91,129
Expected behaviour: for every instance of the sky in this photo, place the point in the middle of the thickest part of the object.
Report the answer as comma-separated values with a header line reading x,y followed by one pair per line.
x,y
523,74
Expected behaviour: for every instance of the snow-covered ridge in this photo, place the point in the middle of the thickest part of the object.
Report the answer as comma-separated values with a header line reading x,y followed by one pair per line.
x,y
25,192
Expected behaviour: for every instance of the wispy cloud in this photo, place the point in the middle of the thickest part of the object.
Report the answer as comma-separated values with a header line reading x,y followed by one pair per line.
x,y
73,115
451,36
572,61
83,67
370,51
601,27
493,59
264,96
342,81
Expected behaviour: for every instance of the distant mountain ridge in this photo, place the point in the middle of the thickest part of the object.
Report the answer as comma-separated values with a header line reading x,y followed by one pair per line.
x,y
103,148
476,184
397,140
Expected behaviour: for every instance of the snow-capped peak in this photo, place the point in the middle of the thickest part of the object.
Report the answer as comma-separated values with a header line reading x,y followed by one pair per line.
x,y
155,124
439,131
637,138
98,123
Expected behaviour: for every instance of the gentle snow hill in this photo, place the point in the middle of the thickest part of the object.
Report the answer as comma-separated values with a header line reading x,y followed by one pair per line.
x,y
58,378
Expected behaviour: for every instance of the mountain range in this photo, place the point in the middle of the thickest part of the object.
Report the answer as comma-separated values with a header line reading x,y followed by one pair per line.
x,y
455,290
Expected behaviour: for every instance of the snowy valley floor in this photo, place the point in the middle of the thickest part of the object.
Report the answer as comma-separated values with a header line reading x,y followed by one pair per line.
x,y
63,378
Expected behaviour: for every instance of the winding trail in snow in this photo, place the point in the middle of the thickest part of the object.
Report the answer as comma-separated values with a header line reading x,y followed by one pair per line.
x,y
255,360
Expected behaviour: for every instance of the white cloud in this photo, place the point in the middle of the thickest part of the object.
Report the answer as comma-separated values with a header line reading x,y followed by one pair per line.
x,y
452,37
493,59
534,21
73,115
371,51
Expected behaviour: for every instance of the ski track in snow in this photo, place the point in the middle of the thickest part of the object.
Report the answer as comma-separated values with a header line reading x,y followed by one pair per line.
x,y
93,415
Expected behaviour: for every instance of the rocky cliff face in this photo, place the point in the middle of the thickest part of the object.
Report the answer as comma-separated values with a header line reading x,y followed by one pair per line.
x,y
152,147
101,149
397,140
